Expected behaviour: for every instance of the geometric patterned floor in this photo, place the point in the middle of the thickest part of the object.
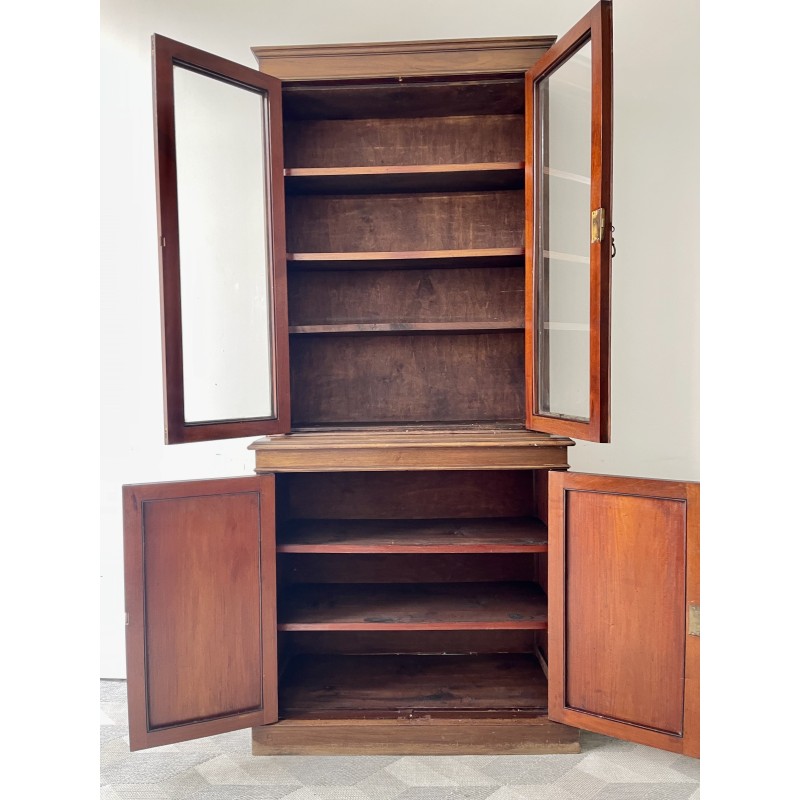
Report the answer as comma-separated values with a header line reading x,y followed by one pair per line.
x,y
221,768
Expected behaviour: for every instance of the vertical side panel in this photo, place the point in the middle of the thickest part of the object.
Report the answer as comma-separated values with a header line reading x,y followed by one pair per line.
x,y
691,736
623,555
200,599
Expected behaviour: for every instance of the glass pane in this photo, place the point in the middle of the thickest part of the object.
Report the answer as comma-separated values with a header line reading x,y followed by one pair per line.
x,y
225,304
565,116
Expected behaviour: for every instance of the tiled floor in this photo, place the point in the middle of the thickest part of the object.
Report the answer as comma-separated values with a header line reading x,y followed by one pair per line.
x,y
221,768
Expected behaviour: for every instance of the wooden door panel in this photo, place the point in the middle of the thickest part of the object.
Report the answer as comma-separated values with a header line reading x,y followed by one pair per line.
x,y
200,598
630,666
623,571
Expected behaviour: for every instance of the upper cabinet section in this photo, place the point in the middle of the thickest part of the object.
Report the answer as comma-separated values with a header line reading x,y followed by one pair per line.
x,y
405,219
419,251
219,165
568,232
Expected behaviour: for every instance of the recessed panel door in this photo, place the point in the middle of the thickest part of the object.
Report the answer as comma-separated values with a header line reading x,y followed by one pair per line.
x,y
623,608
200,606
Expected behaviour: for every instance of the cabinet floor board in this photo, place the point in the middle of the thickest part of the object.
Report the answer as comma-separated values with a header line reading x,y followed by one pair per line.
x,y
326,684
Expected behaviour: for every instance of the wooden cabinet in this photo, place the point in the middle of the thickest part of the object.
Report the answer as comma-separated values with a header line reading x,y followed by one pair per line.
x,y
414,308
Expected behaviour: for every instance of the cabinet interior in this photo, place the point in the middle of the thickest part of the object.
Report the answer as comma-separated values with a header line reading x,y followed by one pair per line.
x,y
405,233
411,592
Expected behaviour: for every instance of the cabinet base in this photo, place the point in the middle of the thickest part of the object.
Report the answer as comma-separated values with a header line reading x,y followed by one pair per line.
x,y
423,736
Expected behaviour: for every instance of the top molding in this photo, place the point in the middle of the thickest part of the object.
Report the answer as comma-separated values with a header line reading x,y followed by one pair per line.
x,y
402,59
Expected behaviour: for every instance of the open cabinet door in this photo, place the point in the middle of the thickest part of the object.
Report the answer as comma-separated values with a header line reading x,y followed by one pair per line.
x,y
222,244
568,107
200,608
623,608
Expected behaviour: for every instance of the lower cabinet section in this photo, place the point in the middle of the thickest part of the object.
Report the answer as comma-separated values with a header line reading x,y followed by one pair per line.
x,y
445,611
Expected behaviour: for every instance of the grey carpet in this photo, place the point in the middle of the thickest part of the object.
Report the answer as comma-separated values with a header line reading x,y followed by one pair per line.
x,y
221,768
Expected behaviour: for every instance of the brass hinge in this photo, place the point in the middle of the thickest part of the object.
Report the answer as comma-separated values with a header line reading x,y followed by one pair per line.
x,y
598,224
694,619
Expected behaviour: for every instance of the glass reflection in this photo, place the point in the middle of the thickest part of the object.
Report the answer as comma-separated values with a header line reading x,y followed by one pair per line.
x,y
565,116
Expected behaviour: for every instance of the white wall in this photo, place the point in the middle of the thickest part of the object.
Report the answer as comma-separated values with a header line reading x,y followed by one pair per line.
x,y
655,397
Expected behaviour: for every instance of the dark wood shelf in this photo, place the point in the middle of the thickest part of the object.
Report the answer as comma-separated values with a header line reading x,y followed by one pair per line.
x,y
502,535
327,685
411,327
416,178
410,259
413,606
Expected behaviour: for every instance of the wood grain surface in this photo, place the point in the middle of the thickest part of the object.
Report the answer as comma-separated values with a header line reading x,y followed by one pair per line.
x,y
200,594
412,297
404,142
621,553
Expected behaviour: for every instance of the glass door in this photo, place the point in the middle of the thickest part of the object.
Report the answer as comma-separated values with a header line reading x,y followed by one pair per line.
x,y
219,168
568,232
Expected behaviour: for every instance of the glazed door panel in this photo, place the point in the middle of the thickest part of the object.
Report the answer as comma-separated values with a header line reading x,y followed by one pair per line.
x,y
623,580
568,107
222,244
200,602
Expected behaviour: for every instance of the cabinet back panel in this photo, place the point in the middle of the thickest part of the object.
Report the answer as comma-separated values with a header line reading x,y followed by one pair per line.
x,y
417,568
422,295
402,142
405,495
392,100
401,222
407,378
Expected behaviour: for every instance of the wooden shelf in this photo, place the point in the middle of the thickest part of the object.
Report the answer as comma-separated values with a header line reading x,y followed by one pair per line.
x,y
487,535
411,327
416,178
324,685
487,257
413,606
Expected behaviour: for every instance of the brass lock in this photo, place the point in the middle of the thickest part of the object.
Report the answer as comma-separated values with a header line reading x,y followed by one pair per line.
x,y
598,225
